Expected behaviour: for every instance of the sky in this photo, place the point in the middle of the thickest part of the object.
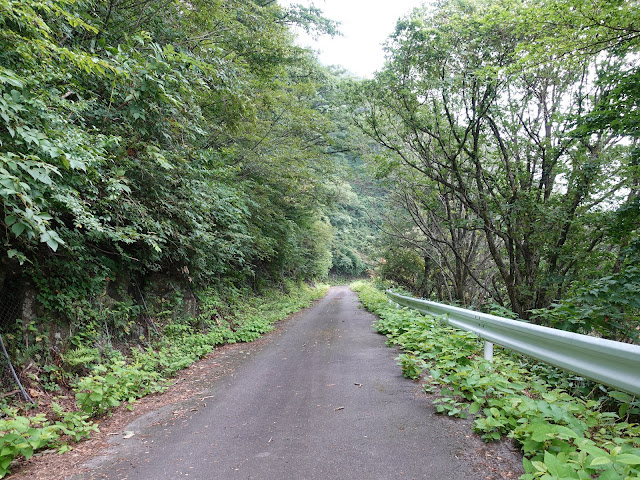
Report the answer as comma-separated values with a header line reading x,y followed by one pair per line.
x,y
365,25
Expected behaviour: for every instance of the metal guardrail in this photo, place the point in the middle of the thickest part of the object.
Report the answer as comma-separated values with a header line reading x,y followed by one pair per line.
x,y
611,363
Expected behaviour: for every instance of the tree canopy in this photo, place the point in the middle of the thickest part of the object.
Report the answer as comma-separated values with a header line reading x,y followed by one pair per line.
x,y
510,137
163,137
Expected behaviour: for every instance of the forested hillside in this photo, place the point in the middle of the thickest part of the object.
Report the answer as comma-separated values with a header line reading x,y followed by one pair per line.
x,y
168,176
510,139
143,137
176,175
161,162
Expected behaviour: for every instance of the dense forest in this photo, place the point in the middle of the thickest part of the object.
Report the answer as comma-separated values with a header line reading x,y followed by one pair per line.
x,y
149,137
169,173
143,140
169,168
509,137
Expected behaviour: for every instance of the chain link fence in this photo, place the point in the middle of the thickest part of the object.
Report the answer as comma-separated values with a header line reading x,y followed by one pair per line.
x,y
11,303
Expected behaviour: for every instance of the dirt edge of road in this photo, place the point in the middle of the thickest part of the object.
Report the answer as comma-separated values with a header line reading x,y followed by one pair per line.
x,y
222,361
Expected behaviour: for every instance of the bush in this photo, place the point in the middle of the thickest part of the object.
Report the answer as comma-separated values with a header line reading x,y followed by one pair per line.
x,y
108,386
22,436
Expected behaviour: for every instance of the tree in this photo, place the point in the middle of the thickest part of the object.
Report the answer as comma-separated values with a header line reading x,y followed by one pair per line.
x,y
497,139
146,137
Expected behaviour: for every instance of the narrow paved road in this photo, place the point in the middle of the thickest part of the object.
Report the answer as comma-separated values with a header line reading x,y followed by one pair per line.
x,y
323,400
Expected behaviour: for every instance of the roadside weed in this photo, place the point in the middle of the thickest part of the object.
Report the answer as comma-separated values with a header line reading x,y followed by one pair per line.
x,y
114,379
567,428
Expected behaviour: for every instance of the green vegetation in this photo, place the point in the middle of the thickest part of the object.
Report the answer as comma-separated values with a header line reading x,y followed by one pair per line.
x,y
105,382
353,216
165,167
507,138
22,436
184,140
566,427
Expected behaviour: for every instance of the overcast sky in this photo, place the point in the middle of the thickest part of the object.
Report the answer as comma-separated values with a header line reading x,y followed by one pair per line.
x,y
365,25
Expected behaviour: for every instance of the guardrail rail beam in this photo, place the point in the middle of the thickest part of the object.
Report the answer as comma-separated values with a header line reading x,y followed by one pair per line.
x,y
611,363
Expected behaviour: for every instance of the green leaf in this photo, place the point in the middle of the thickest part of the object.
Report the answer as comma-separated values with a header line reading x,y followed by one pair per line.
x,y
564,432
553,466
74,164
9,437
9,77
592,449
52,239
627,459
53,244
621,396
474,408
600,461
540,431
18,228
611,475
27,452
539,466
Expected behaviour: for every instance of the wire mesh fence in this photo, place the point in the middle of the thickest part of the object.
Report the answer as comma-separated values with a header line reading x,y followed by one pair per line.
x,y
11,303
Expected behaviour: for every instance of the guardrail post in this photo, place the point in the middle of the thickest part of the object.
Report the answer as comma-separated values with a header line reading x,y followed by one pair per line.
x,y
612,363
392,302
488,351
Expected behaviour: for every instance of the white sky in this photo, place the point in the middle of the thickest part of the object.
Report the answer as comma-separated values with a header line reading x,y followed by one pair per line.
x,y
365,25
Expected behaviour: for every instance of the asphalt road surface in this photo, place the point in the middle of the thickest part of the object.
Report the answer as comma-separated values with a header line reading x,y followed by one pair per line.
x,y
324,399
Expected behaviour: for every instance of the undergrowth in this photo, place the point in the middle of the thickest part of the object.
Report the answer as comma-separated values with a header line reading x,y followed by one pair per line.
x,y
567,428
116,378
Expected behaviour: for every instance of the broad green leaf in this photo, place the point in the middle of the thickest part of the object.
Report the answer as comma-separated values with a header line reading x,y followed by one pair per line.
x,y
540,431
474,408
600,461
627,459
593,450
611,475
539,466
95,397
9,77
18,228
621,396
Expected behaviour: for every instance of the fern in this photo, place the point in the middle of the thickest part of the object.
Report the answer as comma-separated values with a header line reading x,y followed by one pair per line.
x,y
81,357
